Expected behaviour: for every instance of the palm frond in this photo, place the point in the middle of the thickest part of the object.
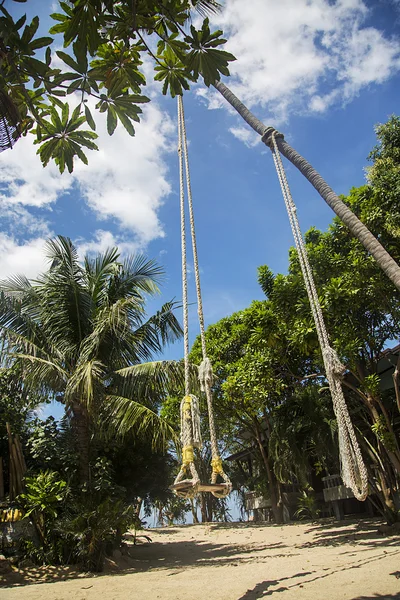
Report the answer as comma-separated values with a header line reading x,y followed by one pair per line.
x,y
66,305
87,384
97,272
42,374
125,415
153,380
167,324
16,286
19,321
60,250
141,273
112,331
160,329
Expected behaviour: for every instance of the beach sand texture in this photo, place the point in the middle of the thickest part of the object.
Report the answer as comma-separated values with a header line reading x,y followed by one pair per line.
x,y
237,561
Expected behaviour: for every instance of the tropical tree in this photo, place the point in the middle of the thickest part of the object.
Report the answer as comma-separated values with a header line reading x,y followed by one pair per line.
x,y
257,368
107,44
303,440
81,334
17,409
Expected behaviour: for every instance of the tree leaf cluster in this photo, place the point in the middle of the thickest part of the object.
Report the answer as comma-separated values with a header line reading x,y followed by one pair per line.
x,y
105,45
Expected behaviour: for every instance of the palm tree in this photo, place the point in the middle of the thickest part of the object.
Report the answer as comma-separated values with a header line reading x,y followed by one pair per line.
x,y
357,228
81,334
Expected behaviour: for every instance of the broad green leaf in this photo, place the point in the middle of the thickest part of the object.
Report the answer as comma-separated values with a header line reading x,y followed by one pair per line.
x,y
69,61
89,118
112,120
40,43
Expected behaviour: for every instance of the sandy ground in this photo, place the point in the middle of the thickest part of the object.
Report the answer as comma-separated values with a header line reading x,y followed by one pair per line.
x,y
340,561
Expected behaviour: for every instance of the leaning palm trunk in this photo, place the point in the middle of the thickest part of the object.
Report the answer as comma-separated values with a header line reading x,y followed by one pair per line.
x,y
357,228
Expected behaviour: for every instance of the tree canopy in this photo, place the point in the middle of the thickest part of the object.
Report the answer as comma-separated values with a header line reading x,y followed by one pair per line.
x,y
107,45
82,337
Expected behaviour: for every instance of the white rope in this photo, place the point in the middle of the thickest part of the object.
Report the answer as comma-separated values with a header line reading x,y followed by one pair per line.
x,y
184,262
205,370
190,416
353,470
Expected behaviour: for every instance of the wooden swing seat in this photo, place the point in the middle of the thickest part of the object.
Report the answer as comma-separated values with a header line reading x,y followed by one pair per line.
x,y
186,485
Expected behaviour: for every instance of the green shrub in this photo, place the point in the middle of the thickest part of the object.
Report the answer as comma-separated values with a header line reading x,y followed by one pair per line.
x,y
307,506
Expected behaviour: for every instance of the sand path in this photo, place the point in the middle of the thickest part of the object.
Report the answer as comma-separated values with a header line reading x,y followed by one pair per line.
x,y
345,561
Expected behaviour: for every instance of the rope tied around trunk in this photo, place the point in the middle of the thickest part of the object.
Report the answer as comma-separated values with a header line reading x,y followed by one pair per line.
x,y
353,470
190,415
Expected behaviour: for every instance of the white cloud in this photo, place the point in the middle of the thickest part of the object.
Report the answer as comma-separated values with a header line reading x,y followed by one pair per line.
x,y
245,135
24,182
127,178
17,220
102,241
302,55
27,258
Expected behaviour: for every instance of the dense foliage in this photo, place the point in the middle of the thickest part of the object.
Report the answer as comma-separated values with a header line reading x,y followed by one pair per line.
x,y
79,335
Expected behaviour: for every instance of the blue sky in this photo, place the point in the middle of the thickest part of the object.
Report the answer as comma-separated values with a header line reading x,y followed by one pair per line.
x,y
323,72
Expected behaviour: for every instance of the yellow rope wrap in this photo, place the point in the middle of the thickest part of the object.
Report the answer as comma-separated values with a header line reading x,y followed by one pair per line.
x,y
187,456
10,515
216,464
187,403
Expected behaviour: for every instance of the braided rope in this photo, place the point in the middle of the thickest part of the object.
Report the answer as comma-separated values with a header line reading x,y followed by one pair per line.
x,y
353,470
184,260
205,370
190,438
190,425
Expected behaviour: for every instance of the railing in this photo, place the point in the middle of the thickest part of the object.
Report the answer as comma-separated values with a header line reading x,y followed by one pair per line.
x,y
335,490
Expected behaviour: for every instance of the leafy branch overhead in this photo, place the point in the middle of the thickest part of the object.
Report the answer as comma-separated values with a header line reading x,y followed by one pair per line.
x,y
105,45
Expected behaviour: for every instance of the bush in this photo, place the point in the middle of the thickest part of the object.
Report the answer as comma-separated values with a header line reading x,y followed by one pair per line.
x,y
78,527
307,506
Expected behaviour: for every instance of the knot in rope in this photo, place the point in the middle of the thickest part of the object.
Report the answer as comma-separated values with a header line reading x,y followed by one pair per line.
x,y
206,376
333,364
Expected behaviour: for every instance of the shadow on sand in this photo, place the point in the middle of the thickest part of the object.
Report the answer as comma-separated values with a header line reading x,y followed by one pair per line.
x,y
176,556
364,533
262,589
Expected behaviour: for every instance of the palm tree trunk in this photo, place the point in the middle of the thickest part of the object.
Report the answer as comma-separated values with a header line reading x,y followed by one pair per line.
x,y
80,426
356,227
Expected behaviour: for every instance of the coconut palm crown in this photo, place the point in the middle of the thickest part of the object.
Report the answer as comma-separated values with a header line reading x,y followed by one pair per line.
x,y
83,338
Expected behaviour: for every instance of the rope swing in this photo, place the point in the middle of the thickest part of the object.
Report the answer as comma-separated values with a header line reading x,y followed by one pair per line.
x,y
185,486
353,470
